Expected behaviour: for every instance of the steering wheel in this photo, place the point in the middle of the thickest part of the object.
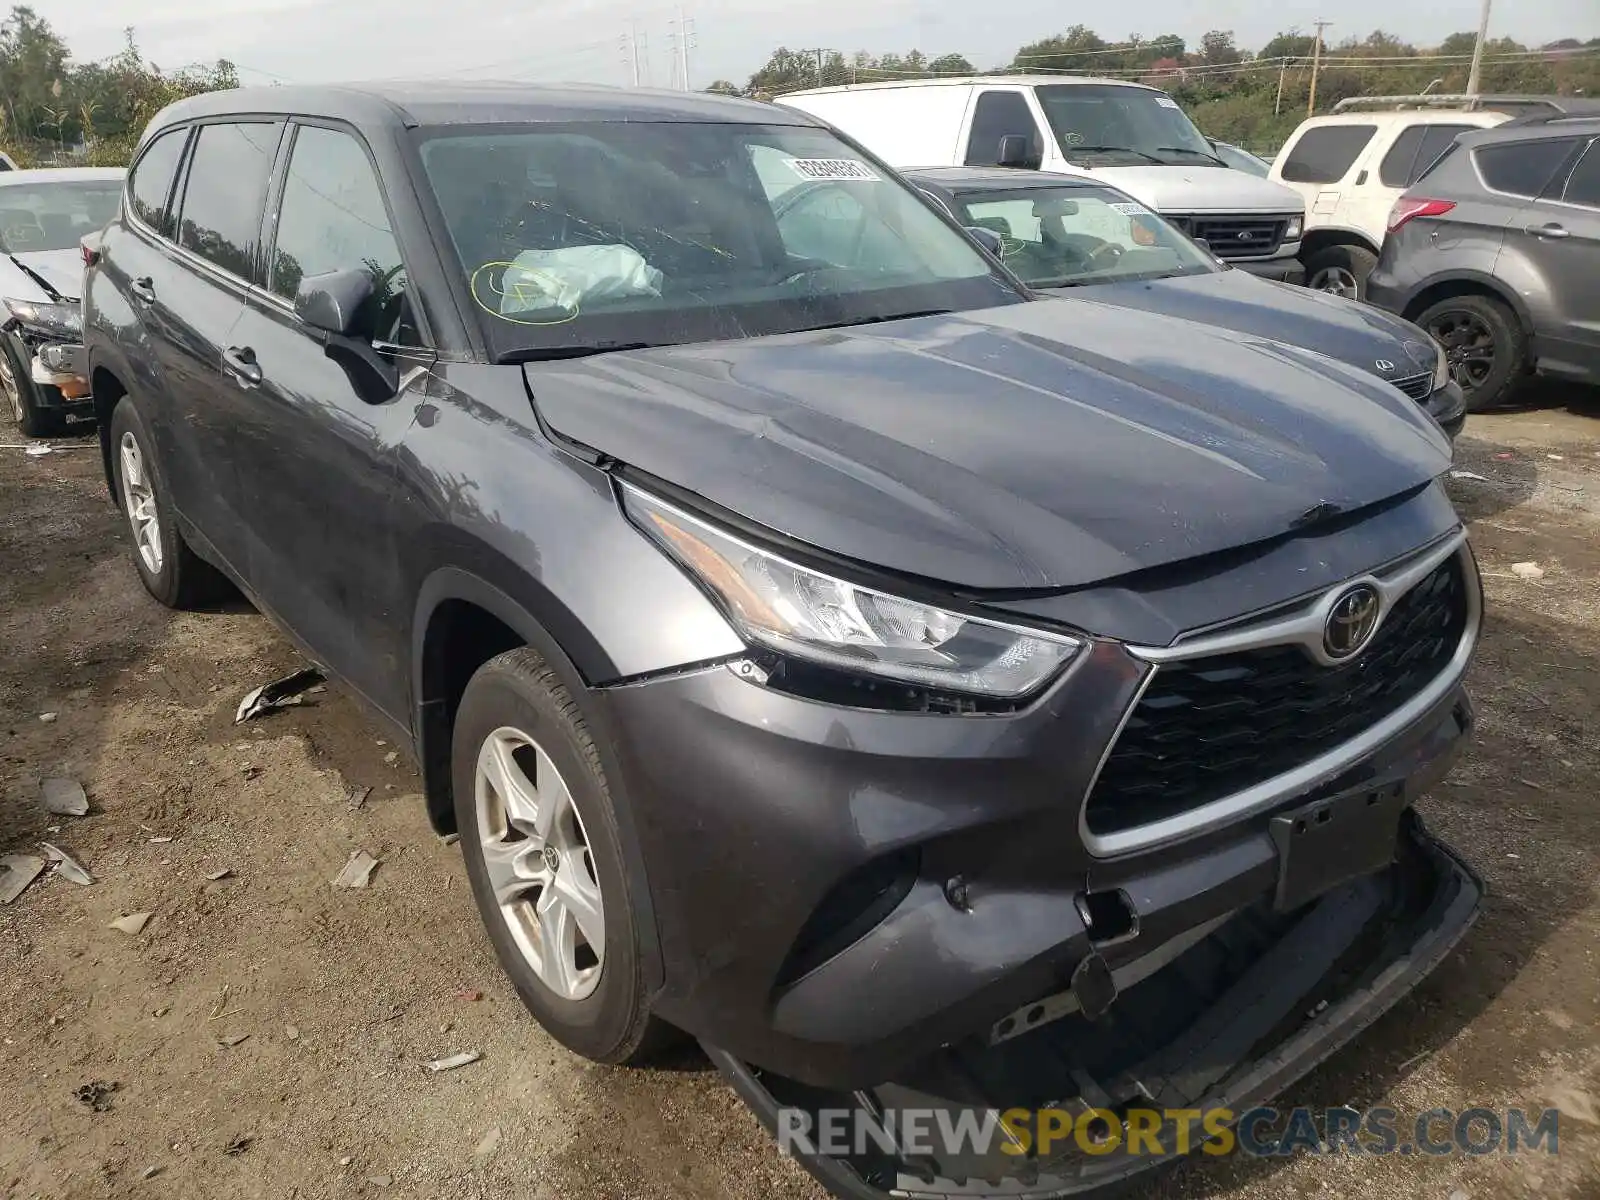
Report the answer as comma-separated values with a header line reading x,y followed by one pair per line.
x,y
1105,254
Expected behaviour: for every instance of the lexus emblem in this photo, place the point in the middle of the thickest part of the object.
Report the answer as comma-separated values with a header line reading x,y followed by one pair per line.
x,y
1351,622
1384,365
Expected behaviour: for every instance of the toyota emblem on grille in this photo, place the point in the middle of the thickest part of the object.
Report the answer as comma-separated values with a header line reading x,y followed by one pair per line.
x,y
1384,365
1245,235
1351,622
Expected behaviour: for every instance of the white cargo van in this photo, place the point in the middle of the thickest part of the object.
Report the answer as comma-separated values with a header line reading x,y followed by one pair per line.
x,y
1130,136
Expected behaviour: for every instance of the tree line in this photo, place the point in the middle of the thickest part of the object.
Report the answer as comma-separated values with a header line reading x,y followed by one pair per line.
x,y
1250,98
54,110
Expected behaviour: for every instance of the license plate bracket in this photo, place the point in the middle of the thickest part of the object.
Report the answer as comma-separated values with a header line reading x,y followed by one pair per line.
x,y
1327,842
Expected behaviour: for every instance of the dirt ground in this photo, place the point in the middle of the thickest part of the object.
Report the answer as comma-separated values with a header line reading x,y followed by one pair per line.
x,y
340,996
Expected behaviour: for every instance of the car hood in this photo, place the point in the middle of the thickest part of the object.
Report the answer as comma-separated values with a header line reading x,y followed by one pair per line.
x,y
1354,333
1200,189
61,269
1041,445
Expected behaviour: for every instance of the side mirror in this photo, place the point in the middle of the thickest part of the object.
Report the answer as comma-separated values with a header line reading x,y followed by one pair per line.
x,y
1016,152
335,304
332,302
987,238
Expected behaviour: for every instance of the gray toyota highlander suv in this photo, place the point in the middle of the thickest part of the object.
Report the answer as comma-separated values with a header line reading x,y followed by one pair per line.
x,y
922,693
1496,251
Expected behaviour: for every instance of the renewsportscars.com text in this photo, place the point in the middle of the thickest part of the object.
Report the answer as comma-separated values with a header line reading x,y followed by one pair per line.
x,y
1260,1132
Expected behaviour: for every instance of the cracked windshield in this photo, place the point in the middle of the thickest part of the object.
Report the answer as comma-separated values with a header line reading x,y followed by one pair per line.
x,y
606,234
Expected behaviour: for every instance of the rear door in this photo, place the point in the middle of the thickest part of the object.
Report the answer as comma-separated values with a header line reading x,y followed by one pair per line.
x,y
121,297
319,481
198,292
1562,231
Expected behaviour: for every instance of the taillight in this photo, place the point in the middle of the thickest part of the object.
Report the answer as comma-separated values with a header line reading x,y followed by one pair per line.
x,y
1407,207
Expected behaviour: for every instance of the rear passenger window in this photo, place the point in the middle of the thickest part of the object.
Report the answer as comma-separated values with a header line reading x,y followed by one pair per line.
x,y
225,192
1583,187
1414,151
1326,154
998,115
150,185
1523,168
333,219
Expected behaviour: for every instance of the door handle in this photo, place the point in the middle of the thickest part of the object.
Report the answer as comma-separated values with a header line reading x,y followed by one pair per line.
x,y
1550,231
240,362
143,290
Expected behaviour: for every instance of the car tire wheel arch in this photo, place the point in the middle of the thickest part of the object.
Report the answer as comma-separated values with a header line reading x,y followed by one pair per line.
x,y
435,728
1513,359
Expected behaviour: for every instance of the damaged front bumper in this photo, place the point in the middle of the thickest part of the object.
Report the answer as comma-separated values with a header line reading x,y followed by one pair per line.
x,y
1224,1023
63,367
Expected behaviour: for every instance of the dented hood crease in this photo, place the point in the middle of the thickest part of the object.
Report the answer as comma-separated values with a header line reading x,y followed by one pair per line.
x,y
1039,445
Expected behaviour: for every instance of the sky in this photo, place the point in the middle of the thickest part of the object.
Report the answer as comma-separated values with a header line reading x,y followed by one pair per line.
x,y
307,41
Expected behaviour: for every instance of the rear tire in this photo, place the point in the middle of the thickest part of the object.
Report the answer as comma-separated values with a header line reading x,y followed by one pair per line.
x,y
21,396
172,572
1342,270
543,854
1485,344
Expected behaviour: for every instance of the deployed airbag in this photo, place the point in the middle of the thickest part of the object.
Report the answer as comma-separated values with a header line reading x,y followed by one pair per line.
x,y
576,276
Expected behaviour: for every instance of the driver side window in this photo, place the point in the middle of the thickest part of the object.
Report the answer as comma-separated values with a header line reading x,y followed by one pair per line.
x,y
333,218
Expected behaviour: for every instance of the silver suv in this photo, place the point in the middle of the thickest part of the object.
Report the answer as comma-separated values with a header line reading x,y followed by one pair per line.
x,y
1495,250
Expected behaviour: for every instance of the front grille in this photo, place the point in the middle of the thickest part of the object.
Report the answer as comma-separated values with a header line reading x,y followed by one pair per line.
x,y
1418,387
1209,727
1236,237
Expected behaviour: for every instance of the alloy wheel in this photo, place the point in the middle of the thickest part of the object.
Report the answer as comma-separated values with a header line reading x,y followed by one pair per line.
x,y
9,385
138,493
1338,280
539,864
1468,346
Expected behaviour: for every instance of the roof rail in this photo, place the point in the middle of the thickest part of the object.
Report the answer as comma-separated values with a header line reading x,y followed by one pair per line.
x,y
1554,104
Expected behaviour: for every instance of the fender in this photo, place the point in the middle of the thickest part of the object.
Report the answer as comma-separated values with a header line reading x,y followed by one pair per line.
x,y
1337,235
1492,284
454,583
106,359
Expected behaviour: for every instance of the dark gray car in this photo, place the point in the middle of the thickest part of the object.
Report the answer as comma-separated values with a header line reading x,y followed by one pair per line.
x,y
1496,253
1065,235
923,693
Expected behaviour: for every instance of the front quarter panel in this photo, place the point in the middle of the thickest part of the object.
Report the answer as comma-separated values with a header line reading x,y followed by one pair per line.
x,y
491,498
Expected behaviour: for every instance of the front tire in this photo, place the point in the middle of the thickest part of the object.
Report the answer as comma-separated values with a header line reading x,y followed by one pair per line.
x,y
172,572
1342,270
1485,344
539,835
21,397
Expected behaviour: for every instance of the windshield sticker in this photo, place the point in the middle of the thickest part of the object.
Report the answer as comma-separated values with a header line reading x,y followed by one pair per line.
x,y
1129,209
1166,102
832,168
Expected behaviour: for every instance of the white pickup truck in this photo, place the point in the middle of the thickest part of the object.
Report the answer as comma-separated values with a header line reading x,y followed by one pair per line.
x,y
1130,136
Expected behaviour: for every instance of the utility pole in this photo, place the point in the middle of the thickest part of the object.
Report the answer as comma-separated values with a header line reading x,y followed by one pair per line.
x,y
630,49
1477,50
819,52
683,40
1277,105
1316,63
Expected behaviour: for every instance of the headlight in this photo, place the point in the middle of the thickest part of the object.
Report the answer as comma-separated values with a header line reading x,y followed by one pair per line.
x,y
56,320
793,609
1293,230
1441,368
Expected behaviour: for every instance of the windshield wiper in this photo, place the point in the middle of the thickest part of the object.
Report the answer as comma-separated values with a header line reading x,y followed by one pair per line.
x,y
1191,150
1115,150
875,320
555,353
